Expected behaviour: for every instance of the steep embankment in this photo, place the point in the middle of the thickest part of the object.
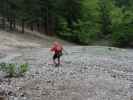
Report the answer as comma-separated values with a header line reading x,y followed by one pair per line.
x,y
28,39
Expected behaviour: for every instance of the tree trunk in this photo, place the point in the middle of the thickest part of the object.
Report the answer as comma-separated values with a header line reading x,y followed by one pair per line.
x,y
14,23
38,27
11,23
23,25
47,22
3,23
31,27
52,25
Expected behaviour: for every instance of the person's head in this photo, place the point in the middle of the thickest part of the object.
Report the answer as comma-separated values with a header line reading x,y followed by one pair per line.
x,y
55,43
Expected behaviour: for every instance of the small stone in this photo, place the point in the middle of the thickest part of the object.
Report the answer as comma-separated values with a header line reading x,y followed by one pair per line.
x,y
37,72
49,81
10,93
23,94
114,76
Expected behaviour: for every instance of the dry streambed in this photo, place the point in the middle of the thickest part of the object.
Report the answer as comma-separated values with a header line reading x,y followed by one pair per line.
x,y
86,73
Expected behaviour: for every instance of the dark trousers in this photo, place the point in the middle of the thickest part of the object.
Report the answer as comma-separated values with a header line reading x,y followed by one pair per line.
x,y
57,56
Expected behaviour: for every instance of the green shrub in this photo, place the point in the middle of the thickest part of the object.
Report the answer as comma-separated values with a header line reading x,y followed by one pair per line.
x,y
3,67
85,32
23,69
122,39
11,70
14,70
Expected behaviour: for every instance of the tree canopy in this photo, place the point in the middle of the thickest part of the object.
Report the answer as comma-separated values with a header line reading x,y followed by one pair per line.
x,y
80,21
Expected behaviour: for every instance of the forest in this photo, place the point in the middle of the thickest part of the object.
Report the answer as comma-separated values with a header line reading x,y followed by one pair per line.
x,y
81,21
66,49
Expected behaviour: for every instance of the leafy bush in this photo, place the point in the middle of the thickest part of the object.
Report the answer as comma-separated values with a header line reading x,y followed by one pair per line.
x,y
14,70
122,39
23,69
11,70
3,67
86,32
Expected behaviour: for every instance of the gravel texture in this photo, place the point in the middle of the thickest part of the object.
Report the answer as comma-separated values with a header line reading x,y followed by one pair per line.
x,y
86,73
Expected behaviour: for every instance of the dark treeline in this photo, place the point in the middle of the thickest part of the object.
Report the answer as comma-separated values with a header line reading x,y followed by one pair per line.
x,y
80,21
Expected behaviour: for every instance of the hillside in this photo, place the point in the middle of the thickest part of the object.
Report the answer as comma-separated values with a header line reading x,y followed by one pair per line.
x,y
28,39
86,73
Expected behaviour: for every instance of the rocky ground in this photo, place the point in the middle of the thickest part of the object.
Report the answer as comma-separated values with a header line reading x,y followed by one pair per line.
x,y
86,73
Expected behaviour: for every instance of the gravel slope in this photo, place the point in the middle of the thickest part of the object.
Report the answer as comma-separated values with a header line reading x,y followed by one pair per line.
x,y
87,73
27,40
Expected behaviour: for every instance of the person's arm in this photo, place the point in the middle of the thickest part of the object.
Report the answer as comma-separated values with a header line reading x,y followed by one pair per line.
x,y
52,49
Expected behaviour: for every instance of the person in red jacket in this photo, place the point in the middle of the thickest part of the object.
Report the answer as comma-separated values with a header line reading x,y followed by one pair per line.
x,y
57,49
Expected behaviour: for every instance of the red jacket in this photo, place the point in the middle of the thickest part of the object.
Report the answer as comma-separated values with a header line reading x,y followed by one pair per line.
x,y
56,48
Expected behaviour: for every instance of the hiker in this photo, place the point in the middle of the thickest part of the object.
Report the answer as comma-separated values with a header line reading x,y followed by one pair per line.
x,y
57,49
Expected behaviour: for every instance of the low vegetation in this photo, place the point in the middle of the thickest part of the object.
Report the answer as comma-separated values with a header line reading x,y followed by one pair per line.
x,y
14,70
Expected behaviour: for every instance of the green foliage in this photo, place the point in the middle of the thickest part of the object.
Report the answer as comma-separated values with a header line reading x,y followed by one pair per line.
x,y
3,66
11,69
14,70
85,33
85,30
99,19
79,21
105,20
120,39
122,27
23,69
